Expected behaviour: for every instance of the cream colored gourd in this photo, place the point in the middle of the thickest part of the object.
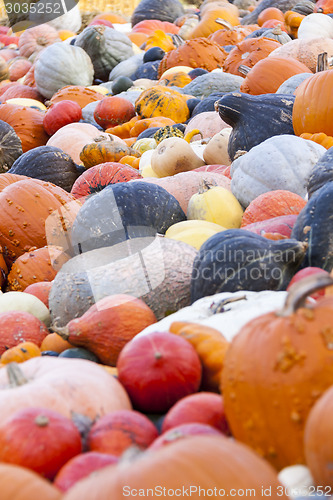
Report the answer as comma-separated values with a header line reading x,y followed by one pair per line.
x,y
29,103
20,301
193,232
216,151
315,25
174,155
215,204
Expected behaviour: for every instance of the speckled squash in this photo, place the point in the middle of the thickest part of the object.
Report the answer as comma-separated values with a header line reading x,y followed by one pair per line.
x,y
10,146
81,95
162,101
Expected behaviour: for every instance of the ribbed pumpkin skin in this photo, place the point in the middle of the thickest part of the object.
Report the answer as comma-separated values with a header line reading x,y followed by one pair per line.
x,y
207,462
10,144
32,267
272,204
311,113
268,74
19,483
98,177
123,211
24,227
49,164
196,53
37,38
27,123
162,101
21,91
81,95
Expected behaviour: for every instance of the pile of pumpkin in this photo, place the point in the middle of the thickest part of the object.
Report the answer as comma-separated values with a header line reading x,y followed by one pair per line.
x,y
166,204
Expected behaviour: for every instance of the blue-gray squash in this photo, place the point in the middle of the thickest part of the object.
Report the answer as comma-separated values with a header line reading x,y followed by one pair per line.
x,y
236,259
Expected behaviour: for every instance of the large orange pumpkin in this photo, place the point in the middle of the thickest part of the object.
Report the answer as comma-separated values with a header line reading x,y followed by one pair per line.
x,y
232,35
196,53
275,369
311,112
77,93
208,25
268,74
181,467
27,123
25,216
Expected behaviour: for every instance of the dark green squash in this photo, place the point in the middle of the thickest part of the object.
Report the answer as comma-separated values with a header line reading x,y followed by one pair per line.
x,y
207,104
106,48
322,172
255,118
121,84
163,10
236,259
147,70
10,146
124,211
49,164
314,226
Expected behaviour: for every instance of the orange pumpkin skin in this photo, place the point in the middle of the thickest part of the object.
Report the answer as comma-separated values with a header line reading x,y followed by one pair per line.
x,y
232,36
20,326
270,13
319,138
161,101
108,325
272,204
148,26
200,461
269,73
297,370
32,267
27,123
323,6
318,441
24,227
77,93
19,483
20,353
18,67
196,53
249,52
310,111
39,439
53,342
208,24
104,151
117,431
41,290
54,384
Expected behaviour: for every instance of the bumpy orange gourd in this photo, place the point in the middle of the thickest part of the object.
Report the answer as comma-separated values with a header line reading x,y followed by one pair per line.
x,y
77,93
196,53
319,138
249,52
267,403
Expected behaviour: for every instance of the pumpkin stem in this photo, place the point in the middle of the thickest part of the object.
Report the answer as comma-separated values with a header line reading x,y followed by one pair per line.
x,y
243,70
301,290
15,375
205,186
277,30
191,134
224,23
219,307
62,332
42,420
322,62
239,152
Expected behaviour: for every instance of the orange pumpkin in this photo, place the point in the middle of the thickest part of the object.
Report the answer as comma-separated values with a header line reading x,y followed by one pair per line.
x,y
270,13
77,93
35,39
208,25
162,101
268,74
32,267
19,483
319,138
248,53
27,123
272,204
196,53
53,342
25,216
101,151
148,27
232,35
310,111
267,404
205,462
20,353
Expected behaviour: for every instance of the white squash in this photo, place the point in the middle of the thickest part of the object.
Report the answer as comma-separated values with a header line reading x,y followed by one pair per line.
x,y
232,318
70,21
20,301
316,25
280,162
297,480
